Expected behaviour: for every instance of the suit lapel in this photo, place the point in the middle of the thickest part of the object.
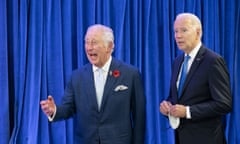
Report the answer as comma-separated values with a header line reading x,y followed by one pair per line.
x,y
111,80
91,93
176,72
198,59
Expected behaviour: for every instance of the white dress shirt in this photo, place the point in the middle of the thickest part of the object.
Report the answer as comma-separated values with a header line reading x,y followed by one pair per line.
x,y
192,55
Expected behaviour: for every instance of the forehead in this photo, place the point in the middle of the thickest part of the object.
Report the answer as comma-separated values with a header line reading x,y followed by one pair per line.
x,y
182,22
94,33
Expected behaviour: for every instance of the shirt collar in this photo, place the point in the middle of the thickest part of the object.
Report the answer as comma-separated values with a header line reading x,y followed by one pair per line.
x,y
106,66
194,52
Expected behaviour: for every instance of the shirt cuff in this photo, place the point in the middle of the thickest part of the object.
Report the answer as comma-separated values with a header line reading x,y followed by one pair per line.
x,y
188,113
50,118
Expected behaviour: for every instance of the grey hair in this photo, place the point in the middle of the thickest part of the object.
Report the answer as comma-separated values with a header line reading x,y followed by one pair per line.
x,y
108,36
196,23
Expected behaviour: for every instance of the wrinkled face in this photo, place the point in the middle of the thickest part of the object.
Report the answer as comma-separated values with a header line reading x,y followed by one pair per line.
x,y
186,36
97,51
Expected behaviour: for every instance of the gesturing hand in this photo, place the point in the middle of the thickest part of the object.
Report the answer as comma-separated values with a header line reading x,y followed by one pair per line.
x,y
48,106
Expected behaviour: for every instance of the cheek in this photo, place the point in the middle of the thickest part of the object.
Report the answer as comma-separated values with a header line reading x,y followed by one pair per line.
x,y
86,49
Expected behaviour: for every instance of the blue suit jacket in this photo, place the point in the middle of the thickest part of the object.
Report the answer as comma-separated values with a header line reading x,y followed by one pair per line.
x,y
121,119
207,92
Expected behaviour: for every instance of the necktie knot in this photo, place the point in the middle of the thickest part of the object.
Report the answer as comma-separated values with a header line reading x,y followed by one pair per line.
x,y
100,72
186,58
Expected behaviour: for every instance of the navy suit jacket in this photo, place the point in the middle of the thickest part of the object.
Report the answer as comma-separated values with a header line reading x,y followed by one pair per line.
x,y
207,92
121,119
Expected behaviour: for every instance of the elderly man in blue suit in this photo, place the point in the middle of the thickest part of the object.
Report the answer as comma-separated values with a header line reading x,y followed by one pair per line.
x,y
200,88
106,96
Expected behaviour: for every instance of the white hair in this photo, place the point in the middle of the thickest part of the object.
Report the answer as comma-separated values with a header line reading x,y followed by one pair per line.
x,y
196,23
108,36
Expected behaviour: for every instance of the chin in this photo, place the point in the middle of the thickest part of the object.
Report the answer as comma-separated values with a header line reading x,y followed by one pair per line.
x,y
181,48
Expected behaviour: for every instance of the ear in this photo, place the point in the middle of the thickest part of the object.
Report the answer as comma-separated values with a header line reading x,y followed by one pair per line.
x,y
110,47
198,30
197,34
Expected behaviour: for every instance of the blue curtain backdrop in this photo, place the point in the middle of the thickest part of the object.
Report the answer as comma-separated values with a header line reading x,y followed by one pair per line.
x,y
42,41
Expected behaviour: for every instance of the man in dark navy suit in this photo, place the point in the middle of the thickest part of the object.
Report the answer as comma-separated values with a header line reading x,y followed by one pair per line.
x,y
196,105
106,96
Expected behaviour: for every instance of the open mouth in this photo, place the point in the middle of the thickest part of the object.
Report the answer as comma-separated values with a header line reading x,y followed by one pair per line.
x,y
180,43
93,55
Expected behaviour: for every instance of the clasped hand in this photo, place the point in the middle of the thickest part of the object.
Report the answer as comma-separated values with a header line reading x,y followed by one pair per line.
x,y
174,110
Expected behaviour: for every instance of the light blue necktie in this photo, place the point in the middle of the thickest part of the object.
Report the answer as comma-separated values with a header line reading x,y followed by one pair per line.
x,y
99,83
183,74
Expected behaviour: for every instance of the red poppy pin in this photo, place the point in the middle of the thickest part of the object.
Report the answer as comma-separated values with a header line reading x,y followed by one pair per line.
x,y
116,73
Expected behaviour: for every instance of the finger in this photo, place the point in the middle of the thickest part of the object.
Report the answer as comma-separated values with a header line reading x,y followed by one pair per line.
x,y
169,104
43,102
165,104
172,110
162,107
50,98
45,109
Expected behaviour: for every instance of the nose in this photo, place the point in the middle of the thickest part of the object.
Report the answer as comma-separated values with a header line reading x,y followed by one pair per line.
x,y
88,47
178,35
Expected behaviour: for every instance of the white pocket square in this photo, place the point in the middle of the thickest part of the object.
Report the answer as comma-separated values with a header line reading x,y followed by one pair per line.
x,y
120,88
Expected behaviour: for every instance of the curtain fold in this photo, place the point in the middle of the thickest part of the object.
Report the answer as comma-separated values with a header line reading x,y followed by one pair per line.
x,y
42,42
5,125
